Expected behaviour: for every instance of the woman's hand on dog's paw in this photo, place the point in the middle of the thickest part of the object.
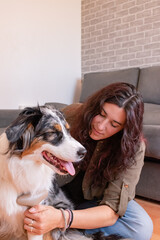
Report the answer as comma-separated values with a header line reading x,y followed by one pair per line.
x,y
41,219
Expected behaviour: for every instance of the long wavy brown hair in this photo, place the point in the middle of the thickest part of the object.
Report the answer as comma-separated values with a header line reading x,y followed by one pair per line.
x,y
118,151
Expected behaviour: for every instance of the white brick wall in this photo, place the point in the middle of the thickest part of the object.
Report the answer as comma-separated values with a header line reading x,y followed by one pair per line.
x,y
120,34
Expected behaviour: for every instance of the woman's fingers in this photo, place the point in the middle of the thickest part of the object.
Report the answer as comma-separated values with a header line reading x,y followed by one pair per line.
x,y
41,219
33,219
33,230
30,222
35,209
32,226
35,213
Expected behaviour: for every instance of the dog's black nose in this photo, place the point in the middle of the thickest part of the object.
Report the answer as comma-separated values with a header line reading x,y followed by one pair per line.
x,y
81,153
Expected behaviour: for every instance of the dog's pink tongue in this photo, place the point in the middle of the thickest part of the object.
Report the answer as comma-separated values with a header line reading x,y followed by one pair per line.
x,y
69,167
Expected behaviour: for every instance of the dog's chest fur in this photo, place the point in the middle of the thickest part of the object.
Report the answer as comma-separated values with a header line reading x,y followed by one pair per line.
x,y
18,177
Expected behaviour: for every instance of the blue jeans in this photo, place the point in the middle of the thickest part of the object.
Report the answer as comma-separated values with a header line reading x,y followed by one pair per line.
x,y
135,224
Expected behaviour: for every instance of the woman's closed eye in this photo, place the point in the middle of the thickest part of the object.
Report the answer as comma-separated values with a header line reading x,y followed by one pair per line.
x,y
103,114
113,124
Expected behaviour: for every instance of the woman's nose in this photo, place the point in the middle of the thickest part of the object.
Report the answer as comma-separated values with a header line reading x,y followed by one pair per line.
x,y
103,124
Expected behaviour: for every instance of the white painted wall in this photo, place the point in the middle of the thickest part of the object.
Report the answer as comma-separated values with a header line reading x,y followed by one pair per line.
x,y
40,51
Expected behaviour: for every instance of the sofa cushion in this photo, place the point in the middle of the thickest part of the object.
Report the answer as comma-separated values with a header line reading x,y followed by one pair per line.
x,y
149,84
95,81
151,129
151,114
148,185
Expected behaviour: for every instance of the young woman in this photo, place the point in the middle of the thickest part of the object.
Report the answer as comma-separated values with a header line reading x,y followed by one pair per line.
x,y
109,125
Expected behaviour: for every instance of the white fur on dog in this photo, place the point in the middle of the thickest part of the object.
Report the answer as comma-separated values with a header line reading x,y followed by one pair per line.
x,y
27,174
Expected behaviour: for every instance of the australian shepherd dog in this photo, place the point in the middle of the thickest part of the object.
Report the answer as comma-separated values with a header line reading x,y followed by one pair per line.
x,y
33,149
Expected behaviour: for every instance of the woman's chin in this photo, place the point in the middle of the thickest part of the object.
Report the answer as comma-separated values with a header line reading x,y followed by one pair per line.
x,y
95,137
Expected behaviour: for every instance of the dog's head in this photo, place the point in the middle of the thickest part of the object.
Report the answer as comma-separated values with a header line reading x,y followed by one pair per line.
x,y
42,134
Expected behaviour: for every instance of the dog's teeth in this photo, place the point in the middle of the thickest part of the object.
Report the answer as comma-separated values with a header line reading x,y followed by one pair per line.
x,y
49,154
55,161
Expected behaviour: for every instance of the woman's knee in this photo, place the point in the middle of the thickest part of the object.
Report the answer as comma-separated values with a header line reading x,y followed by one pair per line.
x,y
140,222
136,224
144,228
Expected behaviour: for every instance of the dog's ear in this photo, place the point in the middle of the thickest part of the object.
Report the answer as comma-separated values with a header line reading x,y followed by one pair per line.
x,y
27,120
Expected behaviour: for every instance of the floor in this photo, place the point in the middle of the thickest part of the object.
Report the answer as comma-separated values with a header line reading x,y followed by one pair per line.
x,y
153,209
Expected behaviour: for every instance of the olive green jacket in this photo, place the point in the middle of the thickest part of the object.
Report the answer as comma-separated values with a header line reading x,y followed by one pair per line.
x,y
117,193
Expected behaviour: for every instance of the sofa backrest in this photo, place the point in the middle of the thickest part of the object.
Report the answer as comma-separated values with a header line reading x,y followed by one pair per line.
x,y
94,81
149,84
7,116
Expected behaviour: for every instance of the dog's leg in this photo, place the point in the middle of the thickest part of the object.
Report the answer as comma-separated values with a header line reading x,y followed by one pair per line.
x,y
31,200
34,237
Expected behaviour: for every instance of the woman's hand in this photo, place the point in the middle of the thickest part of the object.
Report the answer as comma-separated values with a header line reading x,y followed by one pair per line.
x,y
41,219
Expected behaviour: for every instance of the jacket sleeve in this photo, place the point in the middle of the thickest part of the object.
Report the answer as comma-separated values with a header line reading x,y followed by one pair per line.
x,y
121,190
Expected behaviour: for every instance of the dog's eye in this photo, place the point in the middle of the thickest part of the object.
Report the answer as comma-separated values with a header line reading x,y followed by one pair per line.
x,y
50,134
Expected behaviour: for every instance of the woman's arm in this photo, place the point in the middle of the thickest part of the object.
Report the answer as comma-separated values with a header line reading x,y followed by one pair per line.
x,y
46,218
95,217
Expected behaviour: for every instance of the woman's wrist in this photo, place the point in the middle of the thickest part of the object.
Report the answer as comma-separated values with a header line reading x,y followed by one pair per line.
x,y
66,218
70,220
63,218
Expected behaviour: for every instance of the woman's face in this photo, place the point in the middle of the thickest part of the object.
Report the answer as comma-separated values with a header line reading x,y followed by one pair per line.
x,y
110,121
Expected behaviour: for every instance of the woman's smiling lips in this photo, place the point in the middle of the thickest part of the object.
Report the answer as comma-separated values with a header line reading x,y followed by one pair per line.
x,y
95,132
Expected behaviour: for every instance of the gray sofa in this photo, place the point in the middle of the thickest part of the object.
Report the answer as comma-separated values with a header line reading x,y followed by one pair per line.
x,y
147,81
